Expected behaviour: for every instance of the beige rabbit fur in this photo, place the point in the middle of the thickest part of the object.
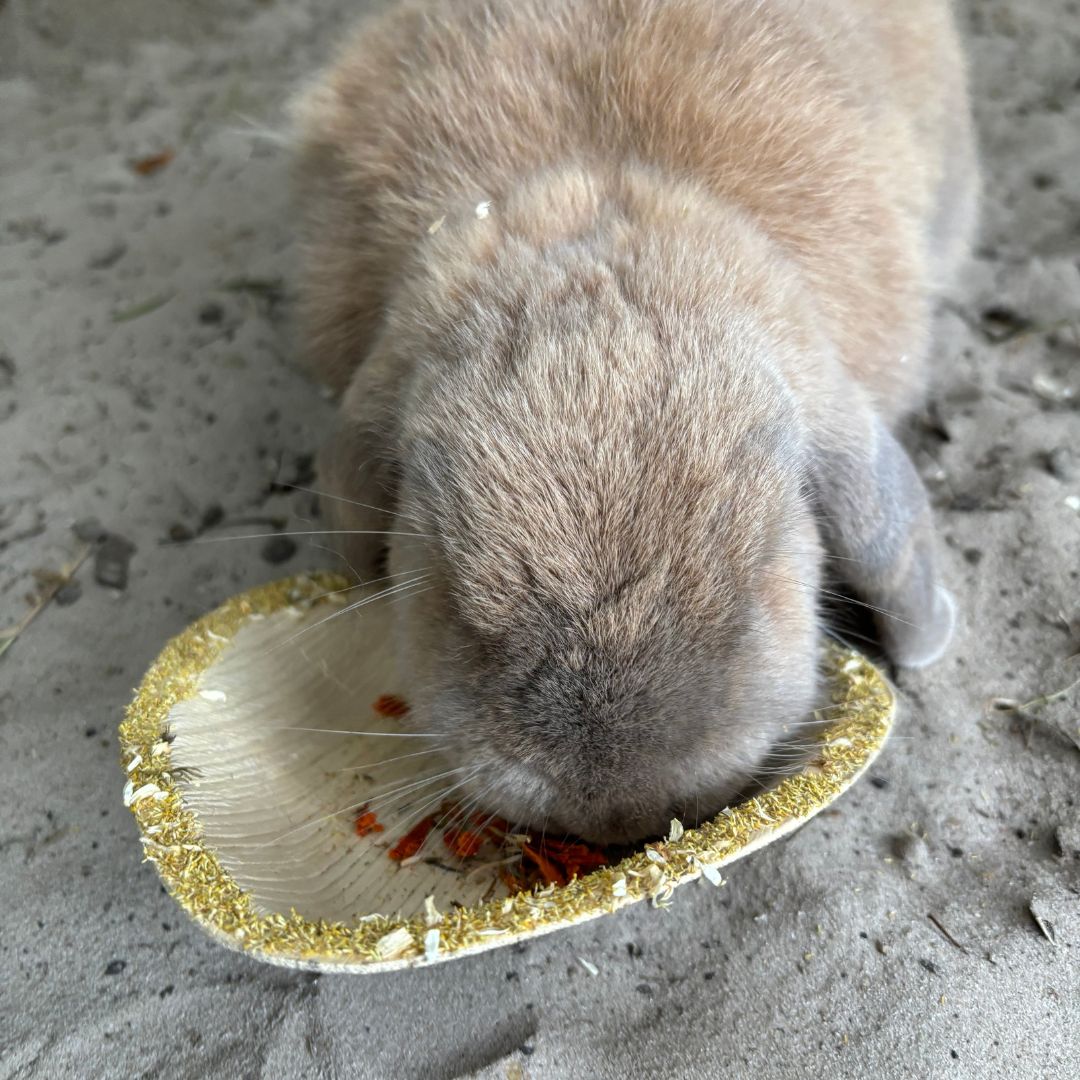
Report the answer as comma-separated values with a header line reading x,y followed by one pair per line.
x,y
624,297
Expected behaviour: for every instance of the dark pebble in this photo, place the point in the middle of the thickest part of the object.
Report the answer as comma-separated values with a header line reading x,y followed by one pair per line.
x,y
166,991
633,949
644,988
68,594
1061,463
179,533
114,967
211,314
278,549
879,782
214,515
973,556
929,965
112,561
527,1049
89,530
108,256
1001,323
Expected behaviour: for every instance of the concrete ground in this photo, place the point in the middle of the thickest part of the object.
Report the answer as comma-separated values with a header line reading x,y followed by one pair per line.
x,y
928,926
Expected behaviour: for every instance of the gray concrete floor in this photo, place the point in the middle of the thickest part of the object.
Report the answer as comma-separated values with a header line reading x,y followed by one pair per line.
x,y
140,385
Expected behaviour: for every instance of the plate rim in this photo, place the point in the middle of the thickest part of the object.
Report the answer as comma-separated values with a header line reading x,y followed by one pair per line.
x,y
197,879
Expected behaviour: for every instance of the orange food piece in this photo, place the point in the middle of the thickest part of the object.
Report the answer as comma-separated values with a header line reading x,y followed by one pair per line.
x,y
574,857
514,882
367,822
550,871
463,842
147,166
557,862
543,862
389,705
413,840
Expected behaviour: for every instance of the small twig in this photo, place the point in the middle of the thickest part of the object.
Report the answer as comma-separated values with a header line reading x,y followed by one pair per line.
x,y
1044,925
1012,705
1027,712
136,312
270,289
8,637
442,866
945,933
1049,699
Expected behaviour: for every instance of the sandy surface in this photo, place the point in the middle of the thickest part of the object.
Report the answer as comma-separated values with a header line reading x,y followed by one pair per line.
x,y
818,957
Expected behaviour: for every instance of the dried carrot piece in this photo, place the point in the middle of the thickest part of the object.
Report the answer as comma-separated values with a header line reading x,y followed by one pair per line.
x,y
574,856
413,840
147,166
390,705
543,862
550,871
514,882
576,870
366,822
462,842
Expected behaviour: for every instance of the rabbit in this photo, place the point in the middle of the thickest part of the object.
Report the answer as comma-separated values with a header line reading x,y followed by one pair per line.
x,y
625,299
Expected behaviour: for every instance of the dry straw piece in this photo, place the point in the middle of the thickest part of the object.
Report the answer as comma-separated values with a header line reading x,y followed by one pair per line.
x,y
178,830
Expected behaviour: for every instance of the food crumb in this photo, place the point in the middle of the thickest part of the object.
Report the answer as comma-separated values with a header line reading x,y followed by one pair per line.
x,y
463,842
413,840
390,705
366,822
147,166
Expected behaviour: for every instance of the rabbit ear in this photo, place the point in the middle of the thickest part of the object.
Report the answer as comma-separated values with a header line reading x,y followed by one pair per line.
x,y
876,517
